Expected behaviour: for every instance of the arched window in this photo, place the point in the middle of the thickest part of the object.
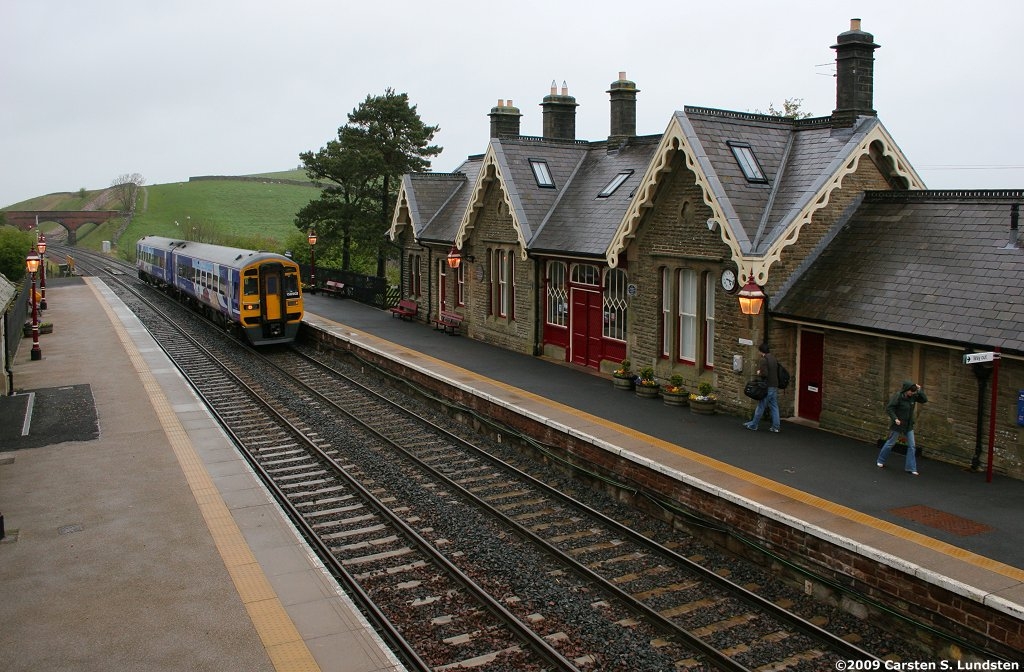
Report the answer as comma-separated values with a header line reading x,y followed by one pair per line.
x,y
687,315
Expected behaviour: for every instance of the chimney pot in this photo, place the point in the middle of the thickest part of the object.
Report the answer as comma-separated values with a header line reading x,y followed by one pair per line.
x,y
623,110
559,114
855,72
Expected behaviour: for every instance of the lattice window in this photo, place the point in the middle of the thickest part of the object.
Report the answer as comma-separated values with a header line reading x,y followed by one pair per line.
x,y
616,304
557,294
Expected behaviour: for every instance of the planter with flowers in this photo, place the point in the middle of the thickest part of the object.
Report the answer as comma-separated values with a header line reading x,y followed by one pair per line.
x,y
623,377
674,394
704,401
646,386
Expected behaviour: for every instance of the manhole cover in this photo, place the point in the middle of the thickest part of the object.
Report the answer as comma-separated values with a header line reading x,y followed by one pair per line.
x,y
941,520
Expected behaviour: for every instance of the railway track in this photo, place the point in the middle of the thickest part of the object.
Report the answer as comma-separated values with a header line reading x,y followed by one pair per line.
x,y
464,559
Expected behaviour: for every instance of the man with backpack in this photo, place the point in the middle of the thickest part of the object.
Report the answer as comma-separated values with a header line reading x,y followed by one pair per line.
x,y
769,369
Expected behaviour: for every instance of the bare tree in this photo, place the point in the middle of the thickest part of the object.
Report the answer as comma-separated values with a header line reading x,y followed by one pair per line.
x,y
126,188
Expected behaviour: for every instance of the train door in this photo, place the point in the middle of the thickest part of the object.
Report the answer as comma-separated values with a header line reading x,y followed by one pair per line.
x,y
809,378
272,300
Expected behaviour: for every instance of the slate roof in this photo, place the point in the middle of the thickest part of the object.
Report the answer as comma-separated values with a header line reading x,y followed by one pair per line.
x,y
796,156
567,219
935,264
441,199
582,223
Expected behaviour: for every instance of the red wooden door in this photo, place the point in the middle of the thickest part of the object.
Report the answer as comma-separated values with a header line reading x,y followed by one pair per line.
x,y
809,378
585,325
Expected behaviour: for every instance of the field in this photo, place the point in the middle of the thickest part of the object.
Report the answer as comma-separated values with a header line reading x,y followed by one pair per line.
x,y
252,211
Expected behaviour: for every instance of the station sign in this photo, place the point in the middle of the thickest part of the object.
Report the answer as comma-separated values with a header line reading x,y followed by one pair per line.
x,y
980,357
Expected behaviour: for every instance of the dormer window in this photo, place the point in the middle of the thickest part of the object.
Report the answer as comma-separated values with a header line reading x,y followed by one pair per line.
x,y
747,161
615,184
541,173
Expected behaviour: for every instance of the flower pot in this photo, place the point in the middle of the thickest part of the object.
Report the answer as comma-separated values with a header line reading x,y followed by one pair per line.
x,y
674,398
647,391
703,407
622,382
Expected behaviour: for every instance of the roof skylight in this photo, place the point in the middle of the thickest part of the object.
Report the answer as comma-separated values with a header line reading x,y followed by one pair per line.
x,y
616,182
541,173
747,161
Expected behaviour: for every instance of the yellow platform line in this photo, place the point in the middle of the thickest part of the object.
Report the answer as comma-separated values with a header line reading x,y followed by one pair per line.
x,y
285,647
774,486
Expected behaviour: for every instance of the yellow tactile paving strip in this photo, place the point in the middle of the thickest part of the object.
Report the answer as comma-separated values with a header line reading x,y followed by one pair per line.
x,y
746,476
287,651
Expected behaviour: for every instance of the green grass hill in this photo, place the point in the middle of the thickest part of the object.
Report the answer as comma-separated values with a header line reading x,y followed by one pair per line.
x,y
256,211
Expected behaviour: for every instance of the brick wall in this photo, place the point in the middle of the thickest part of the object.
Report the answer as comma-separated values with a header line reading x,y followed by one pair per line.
x,y
493,229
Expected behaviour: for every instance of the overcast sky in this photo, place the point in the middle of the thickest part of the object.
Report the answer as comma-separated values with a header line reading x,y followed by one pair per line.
x,y
94,89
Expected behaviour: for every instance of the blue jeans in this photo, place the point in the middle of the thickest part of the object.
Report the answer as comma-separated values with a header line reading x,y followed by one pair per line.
x,y
771,401
911,462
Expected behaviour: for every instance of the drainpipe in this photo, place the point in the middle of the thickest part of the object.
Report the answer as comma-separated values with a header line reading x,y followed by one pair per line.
x,y
981,372
538,318
7,358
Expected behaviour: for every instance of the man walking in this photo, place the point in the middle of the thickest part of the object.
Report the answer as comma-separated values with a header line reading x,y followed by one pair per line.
x,y
767,368
901,409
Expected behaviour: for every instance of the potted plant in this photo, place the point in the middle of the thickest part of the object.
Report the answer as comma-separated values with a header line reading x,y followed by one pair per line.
x,y
704,401
646,386
623,377
44,328
674,394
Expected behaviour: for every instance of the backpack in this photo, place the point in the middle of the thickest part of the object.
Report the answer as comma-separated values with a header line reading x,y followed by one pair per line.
x,y
783,377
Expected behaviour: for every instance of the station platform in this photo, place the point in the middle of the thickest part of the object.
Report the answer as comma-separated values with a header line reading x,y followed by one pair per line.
x,y
138,539
949,525
135,536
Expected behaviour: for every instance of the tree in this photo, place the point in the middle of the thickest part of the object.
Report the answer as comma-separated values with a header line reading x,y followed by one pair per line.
x,y
790,109
126,189
15,245
383,140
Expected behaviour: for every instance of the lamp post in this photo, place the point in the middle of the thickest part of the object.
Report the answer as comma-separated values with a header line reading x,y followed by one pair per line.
x,y
32,265
312,261
41,246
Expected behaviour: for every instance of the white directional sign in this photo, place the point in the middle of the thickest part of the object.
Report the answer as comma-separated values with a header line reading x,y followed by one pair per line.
x,y
979,357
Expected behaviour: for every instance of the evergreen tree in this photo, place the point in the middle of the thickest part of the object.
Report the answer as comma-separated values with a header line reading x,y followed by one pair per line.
x,y
359,174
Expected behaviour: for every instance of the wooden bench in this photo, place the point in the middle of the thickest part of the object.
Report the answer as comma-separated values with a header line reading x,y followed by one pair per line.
x,y
406,309
448,322
333,288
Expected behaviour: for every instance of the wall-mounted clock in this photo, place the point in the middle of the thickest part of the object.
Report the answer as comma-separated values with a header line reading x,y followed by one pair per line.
x,y
729,280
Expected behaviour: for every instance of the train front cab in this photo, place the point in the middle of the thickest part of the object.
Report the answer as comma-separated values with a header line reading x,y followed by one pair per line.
x,y
271,310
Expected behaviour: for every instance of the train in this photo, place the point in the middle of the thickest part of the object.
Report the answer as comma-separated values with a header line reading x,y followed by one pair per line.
x,y
256,294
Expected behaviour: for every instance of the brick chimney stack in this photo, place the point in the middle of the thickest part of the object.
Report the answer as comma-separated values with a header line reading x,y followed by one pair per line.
x,y
855,70
504,119
623,101
559,114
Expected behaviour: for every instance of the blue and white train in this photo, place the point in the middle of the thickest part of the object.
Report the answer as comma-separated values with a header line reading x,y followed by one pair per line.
x,y
259,294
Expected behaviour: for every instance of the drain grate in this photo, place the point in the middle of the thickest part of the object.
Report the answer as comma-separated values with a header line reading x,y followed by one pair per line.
x,y
940,520
68,529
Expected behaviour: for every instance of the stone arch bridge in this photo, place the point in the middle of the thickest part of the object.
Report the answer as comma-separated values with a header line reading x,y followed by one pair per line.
x,y
71,220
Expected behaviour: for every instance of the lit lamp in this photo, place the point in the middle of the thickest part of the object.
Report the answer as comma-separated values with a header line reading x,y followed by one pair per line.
x,y
751,297
312,261
454,257
32,265
41,246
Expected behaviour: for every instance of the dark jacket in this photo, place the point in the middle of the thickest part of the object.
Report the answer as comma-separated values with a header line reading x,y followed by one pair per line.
x,y
901,406
768,368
